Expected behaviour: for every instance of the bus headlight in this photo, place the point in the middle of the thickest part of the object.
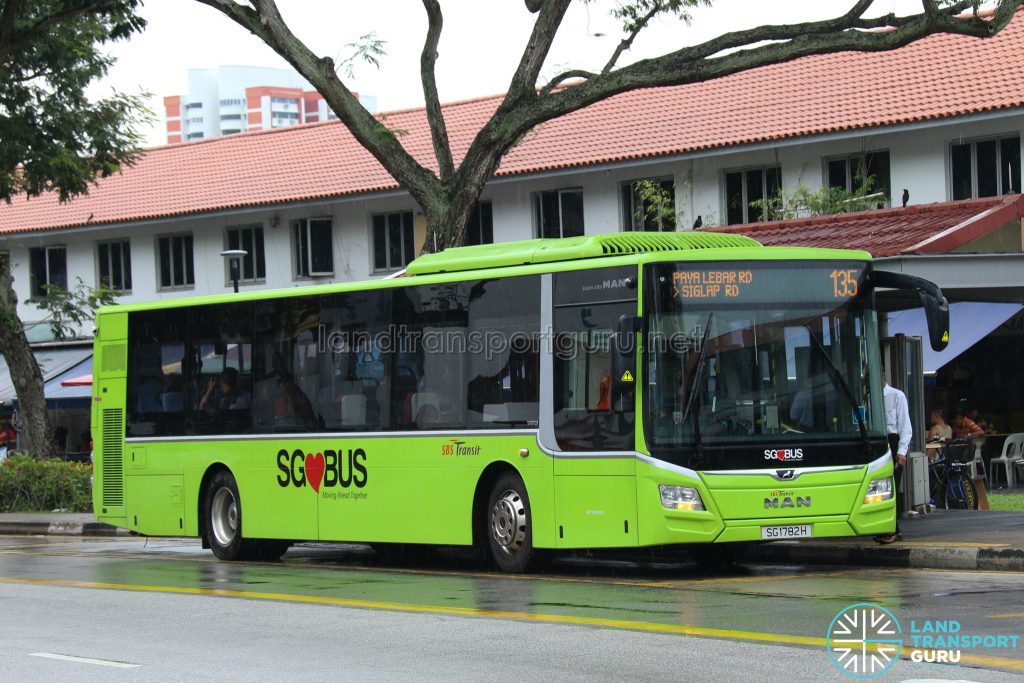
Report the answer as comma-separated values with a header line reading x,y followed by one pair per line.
x,y
680,498
878,491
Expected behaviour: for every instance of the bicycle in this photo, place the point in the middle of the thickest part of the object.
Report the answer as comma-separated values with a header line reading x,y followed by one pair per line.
x,y
951,486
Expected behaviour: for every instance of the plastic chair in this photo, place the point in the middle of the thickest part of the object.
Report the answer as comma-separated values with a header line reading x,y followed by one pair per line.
x,y
1012,451
978,464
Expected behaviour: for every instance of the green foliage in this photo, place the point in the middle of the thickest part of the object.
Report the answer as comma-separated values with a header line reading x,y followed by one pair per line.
x,y
28,484
803,201
635,15
369,48
70,309
52,137
654,205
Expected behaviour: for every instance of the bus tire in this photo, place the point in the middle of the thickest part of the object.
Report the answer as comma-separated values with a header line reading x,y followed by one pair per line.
x,y
509,527
223,519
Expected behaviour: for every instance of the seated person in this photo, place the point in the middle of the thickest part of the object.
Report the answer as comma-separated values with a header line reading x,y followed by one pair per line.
x,y
223,394
940,431
964,426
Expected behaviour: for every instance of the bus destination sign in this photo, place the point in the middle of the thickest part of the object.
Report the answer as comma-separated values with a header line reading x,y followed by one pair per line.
x,y
757,283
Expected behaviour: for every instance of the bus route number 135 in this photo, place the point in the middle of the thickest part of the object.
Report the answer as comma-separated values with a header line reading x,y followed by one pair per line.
x,y
844,283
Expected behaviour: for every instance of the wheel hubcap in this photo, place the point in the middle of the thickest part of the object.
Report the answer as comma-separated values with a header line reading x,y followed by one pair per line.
x,y
224,517
509,521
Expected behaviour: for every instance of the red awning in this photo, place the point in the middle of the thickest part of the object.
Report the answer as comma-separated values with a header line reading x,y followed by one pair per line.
x,y
81,381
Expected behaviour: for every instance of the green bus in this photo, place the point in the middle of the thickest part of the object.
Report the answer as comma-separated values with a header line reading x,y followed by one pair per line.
x,y
613,391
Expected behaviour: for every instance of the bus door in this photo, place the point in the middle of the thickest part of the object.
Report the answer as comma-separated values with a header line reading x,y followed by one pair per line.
x,y
592,431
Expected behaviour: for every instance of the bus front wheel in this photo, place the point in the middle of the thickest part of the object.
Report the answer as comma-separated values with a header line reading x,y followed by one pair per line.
x,y
509,528
224,518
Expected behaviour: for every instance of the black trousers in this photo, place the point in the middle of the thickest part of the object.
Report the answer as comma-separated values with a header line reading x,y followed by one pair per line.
x,y
897,476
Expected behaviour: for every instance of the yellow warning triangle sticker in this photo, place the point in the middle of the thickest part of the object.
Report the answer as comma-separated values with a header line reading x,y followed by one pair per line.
x,y
945,336
627,376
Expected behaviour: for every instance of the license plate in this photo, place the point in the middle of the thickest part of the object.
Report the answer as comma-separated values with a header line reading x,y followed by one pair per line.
x,y
774,533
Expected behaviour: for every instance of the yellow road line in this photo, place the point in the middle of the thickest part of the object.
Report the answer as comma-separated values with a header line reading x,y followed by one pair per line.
x,y
560,619
1015,615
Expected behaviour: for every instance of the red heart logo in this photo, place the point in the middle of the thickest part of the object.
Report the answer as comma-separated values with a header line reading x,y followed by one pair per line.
x,y
315,470
781,455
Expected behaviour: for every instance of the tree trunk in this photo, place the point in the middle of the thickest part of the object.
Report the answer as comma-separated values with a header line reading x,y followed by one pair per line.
x,y
34,430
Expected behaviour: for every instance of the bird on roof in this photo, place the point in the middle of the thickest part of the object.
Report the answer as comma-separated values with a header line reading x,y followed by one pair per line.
x,y
906,197
697,223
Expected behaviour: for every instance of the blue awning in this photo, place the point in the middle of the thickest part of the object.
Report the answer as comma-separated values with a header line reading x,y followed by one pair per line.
x,y
969,323
56,363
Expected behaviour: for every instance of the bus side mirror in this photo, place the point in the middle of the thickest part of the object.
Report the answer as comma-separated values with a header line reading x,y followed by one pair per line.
x,y
936,312
936,308
623,349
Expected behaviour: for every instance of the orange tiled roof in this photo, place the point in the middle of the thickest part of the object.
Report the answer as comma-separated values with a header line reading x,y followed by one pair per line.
x,y
919,229
938,77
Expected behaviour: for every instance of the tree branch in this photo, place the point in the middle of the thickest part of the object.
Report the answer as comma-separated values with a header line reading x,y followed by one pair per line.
x,y
435,117
11,42
264,20
627,42
563,77
524,81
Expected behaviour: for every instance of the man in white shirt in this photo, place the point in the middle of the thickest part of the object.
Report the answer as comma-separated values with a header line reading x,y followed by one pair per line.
x,y
899,431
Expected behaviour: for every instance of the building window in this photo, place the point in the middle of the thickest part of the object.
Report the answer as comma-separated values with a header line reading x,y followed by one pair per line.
x,y
394,240
985,168
194,136
195,120
47,266
850,172
250,240
559,213
115,265
176,266
480,229
743,188
230,131
314,250
232,103
230,117
194,105
287,101
649,205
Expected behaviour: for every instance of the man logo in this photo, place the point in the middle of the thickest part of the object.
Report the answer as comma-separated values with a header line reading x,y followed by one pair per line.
x,y
864,640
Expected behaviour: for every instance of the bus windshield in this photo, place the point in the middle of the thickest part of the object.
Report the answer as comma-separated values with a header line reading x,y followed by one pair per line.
x,y
770,352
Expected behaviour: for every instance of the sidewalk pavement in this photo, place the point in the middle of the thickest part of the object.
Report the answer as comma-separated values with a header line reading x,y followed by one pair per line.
x,y
990,540
945,539
56,524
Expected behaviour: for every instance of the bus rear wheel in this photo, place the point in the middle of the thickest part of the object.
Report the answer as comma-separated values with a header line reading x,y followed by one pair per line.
x,y
223,518
509,527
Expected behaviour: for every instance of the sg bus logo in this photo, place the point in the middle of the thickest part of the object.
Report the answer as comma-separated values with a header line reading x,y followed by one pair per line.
x,y
328,469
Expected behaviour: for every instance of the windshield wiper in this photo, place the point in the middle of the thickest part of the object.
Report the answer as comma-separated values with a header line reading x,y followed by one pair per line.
x,y
692,393
846,389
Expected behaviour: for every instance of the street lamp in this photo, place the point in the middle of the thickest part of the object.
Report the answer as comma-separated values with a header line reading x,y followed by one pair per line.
x,y
234,258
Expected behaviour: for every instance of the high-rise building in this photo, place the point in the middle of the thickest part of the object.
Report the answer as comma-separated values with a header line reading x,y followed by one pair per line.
x,y
232,99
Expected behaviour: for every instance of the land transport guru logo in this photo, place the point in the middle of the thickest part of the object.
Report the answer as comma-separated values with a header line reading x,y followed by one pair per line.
x,y
328,469
864,640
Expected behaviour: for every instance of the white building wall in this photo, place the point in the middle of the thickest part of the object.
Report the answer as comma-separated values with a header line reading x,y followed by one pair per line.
x,y
918,162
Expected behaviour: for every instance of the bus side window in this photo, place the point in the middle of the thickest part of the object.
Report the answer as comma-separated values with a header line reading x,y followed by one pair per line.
x,y
588,305
219,374
286,365
353,380
428,377
155,384
503,364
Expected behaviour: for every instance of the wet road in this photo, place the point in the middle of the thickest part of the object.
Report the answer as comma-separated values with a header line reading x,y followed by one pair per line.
x,y
79,607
